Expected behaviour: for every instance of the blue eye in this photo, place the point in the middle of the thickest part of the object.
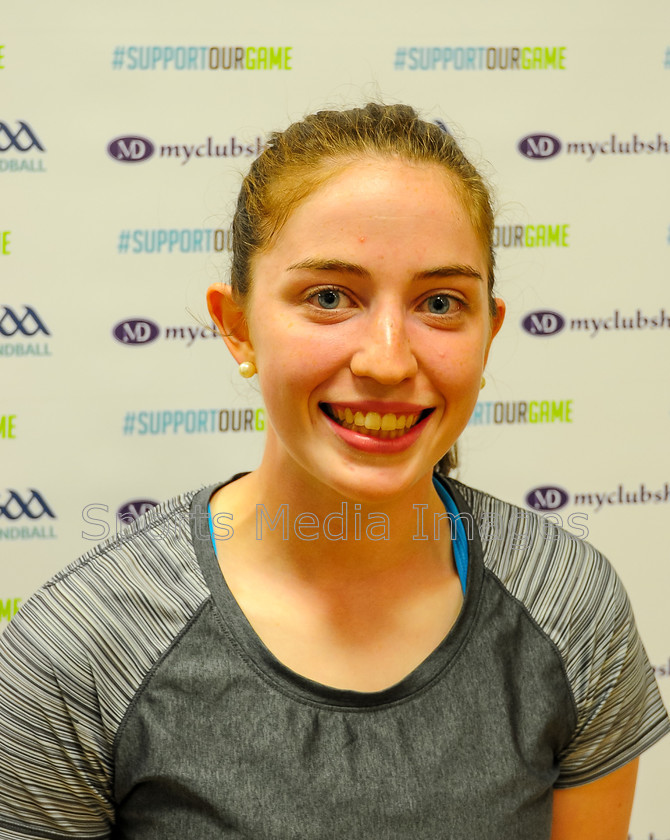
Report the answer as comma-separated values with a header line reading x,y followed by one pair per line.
x,y
439,304
328,298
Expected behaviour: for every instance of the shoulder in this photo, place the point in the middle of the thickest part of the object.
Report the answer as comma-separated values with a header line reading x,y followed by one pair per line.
x,y
575,598
530,554
562,581
122,602
73,659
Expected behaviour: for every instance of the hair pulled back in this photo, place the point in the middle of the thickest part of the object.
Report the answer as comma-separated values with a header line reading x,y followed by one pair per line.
x,y
299,160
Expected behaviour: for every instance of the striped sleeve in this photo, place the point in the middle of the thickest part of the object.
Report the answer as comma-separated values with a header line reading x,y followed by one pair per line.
x,y
71,662
576,599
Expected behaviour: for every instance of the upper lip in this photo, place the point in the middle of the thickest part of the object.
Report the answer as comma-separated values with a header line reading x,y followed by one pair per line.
x,y
380,406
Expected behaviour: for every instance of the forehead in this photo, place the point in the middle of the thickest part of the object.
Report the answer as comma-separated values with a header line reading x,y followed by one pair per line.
x,y
383,202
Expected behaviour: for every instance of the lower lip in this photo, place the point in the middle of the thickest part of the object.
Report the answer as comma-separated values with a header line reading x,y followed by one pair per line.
x,y
375,445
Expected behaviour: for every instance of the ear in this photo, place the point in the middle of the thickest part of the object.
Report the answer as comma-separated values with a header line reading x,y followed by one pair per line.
x,y
231,321
496,323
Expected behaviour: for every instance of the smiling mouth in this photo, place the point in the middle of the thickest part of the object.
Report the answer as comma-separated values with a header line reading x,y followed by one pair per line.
x,y
372,423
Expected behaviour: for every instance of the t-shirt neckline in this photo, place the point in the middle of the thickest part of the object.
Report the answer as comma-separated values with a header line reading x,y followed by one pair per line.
x,y
268,667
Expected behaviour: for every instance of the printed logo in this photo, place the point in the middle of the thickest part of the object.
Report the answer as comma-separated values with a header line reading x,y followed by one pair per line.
x,y
533,411
174,240
28,324
531,236
24,144
4,243
553,498
547,498
198,57
7,427
34,507
135,149
539,146
136,331
193,421
130,511
543,146
543,322
15,506
479,57
546,322
22,140
142,331
132,149
9,608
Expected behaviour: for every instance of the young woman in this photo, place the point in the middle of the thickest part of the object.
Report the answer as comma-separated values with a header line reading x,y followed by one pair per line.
x,y
343,642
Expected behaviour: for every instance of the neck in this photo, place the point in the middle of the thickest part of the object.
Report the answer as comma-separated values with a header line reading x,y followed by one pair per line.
x,y
320,536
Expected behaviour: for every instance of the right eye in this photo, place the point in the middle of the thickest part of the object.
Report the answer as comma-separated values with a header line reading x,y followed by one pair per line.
x,y
329,298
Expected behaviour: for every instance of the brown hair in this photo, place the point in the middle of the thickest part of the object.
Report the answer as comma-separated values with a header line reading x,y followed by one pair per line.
x,y
299,160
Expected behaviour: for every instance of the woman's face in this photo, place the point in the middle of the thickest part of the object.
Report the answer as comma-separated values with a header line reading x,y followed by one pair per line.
x,y
369,325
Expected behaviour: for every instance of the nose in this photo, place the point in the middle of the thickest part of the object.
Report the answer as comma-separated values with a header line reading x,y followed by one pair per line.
x,y
385,352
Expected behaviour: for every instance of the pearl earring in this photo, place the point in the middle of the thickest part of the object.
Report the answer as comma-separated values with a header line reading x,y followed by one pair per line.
x,y
247,369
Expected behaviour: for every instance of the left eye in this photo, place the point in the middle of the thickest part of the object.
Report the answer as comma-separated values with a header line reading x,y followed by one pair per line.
x,y
328,298
439,304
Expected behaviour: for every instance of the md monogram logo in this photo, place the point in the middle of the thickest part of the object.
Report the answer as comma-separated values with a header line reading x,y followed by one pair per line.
x,y
136,331
132,510
28,324
543,322
34,507
131,149
22,140
539,146
547,498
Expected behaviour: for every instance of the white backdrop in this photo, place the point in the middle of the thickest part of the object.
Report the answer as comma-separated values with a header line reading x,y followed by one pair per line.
x,y
98,235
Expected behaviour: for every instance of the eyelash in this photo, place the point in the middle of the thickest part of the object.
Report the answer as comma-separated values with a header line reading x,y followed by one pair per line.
x,y
313,293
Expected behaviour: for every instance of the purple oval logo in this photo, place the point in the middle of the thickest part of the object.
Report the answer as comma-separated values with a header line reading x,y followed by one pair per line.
x,y
547,498
132,510
131,149
539,146
136,331
543,322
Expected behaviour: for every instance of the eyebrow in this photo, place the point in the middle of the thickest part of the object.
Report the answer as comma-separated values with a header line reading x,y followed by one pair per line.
x,y
342,267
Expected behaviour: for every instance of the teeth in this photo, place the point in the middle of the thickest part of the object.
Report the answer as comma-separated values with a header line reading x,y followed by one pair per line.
x,y
373,421
387,426
389,422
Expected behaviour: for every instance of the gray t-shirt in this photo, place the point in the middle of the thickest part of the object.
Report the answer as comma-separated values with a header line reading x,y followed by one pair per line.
x,y
137,702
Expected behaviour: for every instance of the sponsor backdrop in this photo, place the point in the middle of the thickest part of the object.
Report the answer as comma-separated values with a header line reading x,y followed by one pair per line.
x,y
123,136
